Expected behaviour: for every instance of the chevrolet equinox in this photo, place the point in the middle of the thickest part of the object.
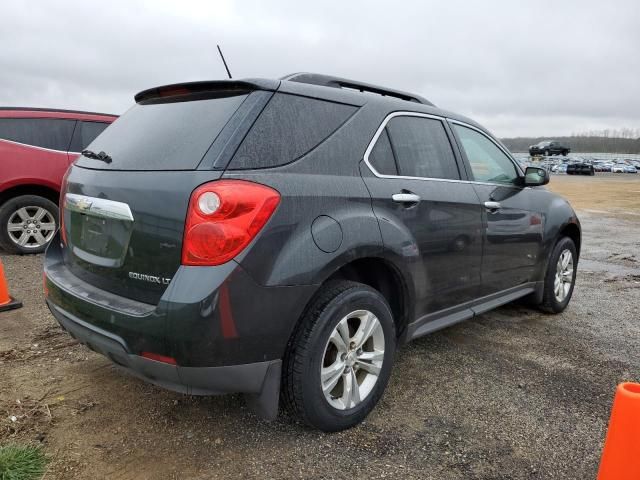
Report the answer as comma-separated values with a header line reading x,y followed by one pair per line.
x,y
282,238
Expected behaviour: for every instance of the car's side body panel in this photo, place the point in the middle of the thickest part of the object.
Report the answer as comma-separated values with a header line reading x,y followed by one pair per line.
x,y
24,165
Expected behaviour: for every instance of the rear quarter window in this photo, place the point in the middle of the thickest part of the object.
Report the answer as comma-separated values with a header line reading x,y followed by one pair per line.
x,y
288,128
51,133
85,133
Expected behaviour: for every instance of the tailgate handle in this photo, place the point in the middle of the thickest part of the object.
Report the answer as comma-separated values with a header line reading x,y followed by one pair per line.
x,y
97,207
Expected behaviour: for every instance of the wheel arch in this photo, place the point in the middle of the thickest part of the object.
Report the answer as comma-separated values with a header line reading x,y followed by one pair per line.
x,y
40,190
572,231
381,274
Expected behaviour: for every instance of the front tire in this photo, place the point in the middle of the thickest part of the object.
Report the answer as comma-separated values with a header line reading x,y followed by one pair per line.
x,y
560,277
339,359
27,224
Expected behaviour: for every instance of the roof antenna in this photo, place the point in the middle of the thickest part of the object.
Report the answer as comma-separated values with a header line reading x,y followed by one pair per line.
x,y
224,61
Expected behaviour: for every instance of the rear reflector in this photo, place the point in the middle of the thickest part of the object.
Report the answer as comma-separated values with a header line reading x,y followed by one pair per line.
x,y
63,191
159,358
224,216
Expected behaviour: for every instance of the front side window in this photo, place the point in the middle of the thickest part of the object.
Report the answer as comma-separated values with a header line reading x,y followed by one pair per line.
x,y
421,147
488,162
52,133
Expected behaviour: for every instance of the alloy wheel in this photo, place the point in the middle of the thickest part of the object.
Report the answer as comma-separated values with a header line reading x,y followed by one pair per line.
x,y
352,359
564,275
31,227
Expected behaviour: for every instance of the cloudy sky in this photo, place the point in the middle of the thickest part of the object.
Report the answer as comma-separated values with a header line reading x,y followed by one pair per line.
x,y
520,68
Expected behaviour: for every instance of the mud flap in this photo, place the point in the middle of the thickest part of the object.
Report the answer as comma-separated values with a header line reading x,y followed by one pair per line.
x,y
265,403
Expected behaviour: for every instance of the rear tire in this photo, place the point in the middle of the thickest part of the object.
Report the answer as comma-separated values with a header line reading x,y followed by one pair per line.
x,y
319,375
560,277
27,224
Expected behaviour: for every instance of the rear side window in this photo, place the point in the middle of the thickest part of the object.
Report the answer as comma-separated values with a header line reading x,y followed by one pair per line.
x,y
168,135
52,133
421,147
85,133
381,156
289,127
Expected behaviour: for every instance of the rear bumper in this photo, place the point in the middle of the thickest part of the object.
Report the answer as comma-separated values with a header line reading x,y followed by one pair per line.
x,y
246,378
225,332
207,317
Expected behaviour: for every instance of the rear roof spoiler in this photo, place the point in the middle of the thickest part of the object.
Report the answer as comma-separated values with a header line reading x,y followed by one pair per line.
x,y
337,82
206,88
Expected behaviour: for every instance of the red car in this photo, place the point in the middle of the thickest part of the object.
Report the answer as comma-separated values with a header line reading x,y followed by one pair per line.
x,y
36,147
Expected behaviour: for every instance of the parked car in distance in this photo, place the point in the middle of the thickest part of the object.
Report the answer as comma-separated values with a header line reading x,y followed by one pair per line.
x,y
617,168
36,148
630,169
282,238
548,148
562,168
580,169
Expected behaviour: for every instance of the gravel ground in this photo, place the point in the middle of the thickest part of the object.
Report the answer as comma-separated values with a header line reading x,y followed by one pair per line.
x,y
513,394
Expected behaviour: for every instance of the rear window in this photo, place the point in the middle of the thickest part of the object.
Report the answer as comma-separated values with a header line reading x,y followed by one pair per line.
x,y
288,128
85,133
52,133
163,136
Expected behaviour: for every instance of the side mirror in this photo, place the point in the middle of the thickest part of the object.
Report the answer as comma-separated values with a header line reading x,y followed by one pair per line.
x,y
534,176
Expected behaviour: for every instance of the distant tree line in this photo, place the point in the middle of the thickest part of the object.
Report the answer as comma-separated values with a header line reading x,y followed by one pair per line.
x,y
625,140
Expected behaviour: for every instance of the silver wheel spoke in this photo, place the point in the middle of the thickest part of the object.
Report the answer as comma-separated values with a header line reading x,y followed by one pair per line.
x,y
338,341
47,226
39,238
369,367
23,214
367,325
343,331
24,238
375,356
331,375
351,391
15,227
41,212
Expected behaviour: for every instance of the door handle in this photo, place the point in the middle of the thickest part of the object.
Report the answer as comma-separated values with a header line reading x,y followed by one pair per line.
x,y
492,206
405,198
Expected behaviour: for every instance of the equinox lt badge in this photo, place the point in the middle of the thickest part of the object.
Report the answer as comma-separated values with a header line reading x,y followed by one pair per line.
x,y
149,278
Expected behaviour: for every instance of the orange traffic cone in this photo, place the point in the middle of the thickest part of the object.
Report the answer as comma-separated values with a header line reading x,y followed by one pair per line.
x,y
621,453
6,301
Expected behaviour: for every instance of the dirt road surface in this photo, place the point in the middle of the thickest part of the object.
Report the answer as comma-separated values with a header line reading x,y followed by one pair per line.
x,y
512,394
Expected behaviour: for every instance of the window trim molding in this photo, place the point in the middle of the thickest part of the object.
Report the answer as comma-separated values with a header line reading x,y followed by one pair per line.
x,y
35,146
392,115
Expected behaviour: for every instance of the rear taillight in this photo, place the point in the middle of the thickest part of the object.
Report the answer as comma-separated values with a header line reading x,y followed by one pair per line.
x,y
63,191
223,218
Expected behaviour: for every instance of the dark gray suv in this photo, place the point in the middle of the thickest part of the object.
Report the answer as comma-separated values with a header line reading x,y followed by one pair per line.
x,y
282,238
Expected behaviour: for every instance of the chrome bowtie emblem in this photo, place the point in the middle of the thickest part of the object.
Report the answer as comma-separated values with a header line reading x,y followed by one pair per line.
x,y
83,204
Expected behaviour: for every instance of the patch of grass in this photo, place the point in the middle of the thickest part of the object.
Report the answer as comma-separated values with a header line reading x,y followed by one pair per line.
x,y
21,462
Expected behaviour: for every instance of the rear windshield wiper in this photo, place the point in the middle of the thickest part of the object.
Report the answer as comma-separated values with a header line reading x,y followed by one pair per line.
x,y
97,156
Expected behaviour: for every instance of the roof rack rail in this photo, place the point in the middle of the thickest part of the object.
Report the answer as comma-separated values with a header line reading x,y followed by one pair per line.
x,y
337,82
56,110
